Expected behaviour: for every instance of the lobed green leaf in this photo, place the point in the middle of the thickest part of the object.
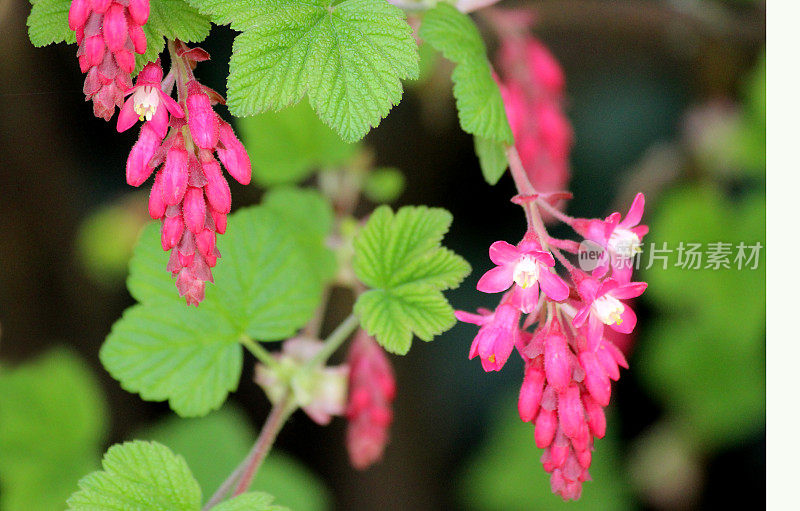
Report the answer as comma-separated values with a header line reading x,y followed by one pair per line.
x,y
138,475
268,283
400,257
348,57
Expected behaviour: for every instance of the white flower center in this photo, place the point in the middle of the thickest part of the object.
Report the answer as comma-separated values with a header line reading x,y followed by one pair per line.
x,y
624,243
526,272
608,309
145,102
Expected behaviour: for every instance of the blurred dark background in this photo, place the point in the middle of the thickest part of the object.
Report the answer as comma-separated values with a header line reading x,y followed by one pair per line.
x,y
664,99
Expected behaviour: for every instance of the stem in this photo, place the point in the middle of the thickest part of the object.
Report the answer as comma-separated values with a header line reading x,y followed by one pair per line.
x,y
534,218
335,340
555,212
244,473
259,352
266,438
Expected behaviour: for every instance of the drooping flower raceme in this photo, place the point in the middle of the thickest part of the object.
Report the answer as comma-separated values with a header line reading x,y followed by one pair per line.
x,y
558,328
189,194
369,402
569,362
108,33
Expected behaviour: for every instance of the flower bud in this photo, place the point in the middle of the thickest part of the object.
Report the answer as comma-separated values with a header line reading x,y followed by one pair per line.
x,y
176,174
203,121
194,209
545,428
557,360
233,155
139,11
137,168
217,190
78,14
115,27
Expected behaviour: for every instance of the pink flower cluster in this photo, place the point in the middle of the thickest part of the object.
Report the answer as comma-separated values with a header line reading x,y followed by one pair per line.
x,y
189,194
108,33
532,84
569,359
369,402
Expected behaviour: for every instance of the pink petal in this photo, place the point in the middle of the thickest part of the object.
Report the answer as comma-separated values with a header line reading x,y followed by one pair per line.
x,y
628,321
617,355
497,279
634,215
602,266
553,286
622,270
127,116
160,121
606,287
545,258
526,299
468,317
629,290
580,317
640,230
595,332
172,105
502,253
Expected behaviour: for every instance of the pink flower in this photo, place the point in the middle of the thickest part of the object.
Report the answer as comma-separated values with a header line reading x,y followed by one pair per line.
x,y
527,266
621,239
147,102
369,401
497,336
602,306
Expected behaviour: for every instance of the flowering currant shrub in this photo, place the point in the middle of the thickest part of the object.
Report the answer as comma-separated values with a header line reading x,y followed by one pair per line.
x,y
210,284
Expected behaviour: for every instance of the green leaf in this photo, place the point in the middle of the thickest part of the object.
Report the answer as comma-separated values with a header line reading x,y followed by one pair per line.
x,y
171,19
252,501
47,22
480,106
52,424
400,256
176,353
268,283
138,475
492,157
226,436
287,146
348,57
